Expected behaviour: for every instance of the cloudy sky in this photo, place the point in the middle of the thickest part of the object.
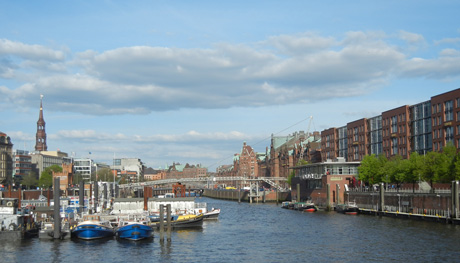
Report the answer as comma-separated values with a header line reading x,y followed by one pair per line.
x,y
190,81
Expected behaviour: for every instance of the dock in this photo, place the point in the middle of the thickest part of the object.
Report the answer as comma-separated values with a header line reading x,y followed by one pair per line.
x,y
421,217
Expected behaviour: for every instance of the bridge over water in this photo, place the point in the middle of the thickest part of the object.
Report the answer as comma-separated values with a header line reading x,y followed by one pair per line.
x,y
272,181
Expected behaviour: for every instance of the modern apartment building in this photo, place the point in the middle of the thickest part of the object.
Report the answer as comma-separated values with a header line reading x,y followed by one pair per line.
x,y
22,164
357,140
445,116
421,139
375,135
396,132
329,144
130,165
426,126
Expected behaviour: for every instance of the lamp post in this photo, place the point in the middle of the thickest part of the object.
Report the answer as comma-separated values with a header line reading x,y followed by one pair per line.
x,y
439,201
399,203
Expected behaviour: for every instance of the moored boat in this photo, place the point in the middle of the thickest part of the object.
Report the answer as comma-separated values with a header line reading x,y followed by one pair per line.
x,y
349,208
92,228
287,205
184,221
213,214
134,230
310,207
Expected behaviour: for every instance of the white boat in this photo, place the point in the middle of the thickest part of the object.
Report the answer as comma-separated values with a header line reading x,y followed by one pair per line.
x,y
201,208
213,214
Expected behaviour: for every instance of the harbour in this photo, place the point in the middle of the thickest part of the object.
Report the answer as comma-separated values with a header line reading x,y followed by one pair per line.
x,y
262,232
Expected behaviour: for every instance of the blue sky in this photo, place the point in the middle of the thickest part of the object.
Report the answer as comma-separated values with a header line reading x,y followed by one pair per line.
x,y
190,81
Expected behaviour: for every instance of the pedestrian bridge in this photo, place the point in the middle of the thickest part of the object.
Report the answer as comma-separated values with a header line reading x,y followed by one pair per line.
x,y
273,181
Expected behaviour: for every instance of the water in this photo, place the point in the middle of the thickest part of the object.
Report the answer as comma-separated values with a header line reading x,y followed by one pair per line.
x,y
263,233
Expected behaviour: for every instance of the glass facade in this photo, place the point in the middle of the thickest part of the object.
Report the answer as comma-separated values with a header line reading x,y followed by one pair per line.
x,y
421,127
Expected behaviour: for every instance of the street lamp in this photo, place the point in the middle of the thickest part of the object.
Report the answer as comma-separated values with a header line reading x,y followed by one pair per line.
x,y
399,203
439,201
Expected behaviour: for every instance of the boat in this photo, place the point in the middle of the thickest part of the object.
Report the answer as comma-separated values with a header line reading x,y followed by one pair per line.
x,y
349,208
287,205
133,229
201,208
184,221
47,231
213,214
310,207
92,227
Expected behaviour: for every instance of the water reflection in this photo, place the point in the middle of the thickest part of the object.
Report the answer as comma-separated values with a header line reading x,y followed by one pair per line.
x,y
261,233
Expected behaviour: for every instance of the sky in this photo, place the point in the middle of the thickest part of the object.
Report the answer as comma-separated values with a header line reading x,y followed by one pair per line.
x,y
191,81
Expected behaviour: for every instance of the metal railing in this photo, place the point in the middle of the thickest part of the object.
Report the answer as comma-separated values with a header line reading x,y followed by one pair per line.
x,y
269,180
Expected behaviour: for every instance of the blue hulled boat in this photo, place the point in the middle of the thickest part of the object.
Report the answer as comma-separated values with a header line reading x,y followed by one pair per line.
x,y
92,228
134,230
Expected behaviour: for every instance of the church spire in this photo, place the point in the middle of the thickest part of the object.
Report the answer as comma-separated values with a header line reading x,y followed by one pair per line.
x,y
40,143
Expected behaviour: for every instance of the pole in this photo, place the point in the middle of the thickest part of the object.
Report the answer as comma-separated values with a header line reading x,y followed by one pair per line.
x,y
337,189
382,198
57,212
81,195
168,220
96,196
162,228
90,197
298,192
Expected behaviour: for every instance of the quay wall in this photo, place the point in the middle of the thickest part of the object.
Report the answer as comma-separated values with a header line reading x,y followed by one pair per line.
x,y
427,203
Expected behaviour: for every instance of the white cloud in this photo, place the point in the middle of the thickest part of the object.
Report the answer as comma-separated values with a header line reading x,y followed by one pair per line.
x,y
282,70
411,38
30,52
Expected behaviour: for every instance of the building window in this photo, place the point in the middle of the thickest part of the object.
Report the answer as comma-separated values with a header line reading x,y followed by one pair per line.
x,y
458,102
394,124
394,145
449,134
448,110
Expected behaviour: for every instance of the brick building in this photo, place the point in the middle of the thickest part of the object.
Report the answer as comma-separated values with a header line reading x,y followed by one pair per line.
x,y
65,177
423,127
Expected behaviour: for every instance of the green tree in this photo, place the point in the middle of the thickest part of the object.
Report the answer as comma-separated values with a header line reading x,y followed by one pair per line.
x,y
455,168
46,177
372,170
397,168
45,181
414,169
105,175
29,180
429,167
445,163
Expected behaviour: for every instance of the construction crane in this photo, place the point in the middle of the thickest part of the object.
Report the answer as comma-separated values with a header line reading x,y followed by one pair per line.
x,y
306,137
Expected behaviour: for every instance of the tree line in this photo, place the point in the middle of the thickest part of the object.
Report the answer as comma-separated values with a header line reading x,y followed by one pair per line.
x,y
432,167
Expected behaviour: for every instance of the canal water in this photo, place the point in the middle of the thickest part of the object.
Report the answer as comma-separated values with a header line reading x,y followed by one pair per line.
x,y
262,233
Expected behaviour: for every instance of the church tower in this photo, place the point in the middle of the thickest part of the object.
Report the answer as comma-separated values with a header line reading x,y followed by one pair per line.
x,y
40,143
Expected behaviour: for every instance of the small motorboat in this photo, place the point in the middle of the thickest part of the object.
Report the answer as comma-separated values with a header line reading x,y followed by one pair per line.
x,y
310,207
134,229
92,228
213,214
349,208
184,221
